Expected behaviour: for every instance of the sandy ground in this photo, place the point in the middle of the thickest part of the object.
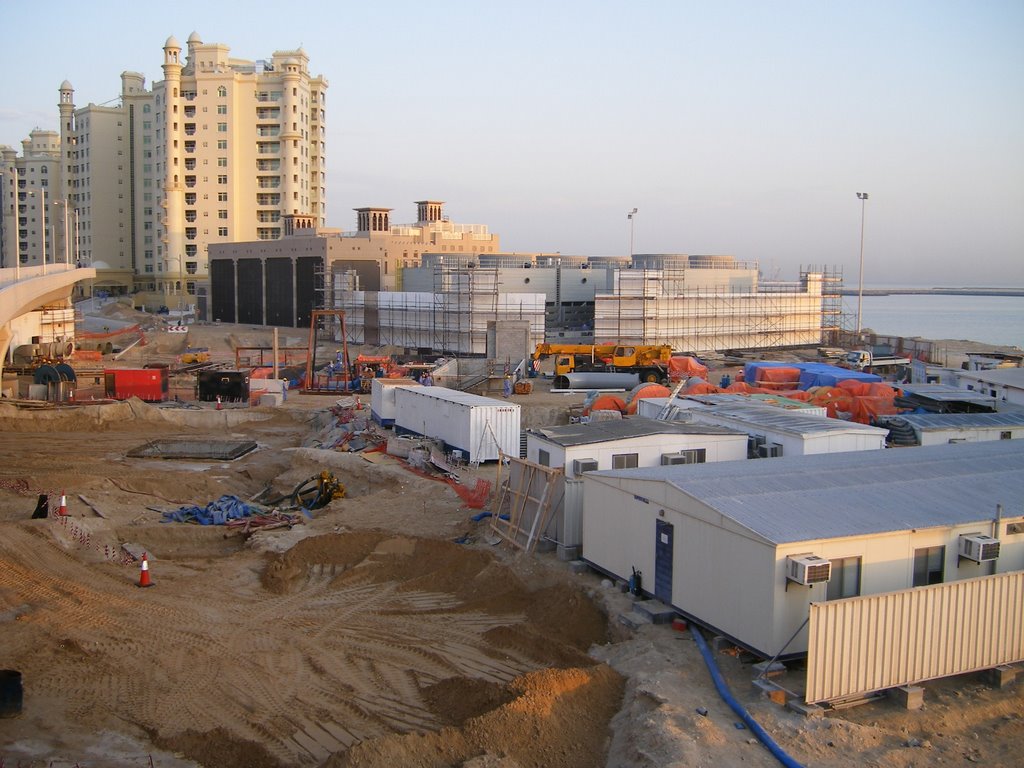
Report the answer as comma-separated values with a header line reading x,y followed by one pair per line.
x,y
386,629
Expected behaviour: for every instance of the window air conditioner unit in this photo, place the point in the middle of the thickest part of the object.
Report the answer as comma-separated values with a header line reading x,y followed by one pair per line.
x,y
808,569
979,547
670,459
769,450
579,466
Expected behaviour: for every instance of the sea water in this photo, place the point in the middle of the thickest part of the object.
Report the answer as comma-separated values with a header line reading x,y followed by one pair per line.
x,y
996,320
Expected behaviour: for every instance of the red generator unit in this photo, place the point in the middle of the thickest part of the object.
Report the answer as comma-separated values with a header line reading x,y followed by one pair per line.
x,y
149,384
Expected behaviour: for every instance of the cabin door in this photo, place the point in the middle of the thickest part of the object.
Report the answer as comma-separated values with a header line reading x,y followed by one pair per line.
x,y
663,563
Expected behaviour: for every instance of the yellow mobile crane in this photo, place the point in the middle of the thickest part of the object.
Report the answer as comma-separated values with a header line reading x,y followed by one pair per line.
x,y
649,361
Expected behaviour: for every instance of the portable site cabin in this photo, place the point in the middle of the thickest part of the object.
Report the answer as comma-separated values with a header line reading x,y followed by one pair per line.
x,y
481,428
629,442
939,428
1006,385
632,442
774,432
747,548
382,399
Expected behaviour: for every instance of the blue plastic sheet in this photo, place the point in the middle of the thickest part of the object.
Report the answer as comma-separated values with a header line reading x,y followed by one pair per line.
x,y
811,374
215,513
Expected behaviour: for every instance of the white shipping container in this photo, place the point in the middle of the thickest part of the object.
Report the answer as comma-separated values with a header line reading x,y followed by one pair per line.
x,y
481,427
382,399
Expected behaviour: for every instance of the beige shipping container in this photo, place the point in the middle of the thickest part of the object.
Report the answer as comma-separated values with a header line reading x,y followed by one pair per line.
x,y
872,643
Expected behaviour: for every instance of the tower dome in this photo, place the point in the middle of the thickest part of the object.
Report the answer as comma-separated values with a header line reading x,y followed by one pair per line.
x,y
172,42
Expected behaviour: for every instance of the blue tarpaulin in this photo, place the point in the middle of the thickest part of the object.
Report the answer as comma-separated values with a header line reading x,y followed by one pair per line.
x,y
215,513
825,375
811,374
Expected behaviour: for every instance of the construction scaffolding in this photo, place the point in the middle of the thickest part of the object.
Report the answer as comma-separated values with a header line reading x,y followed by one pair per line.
x,y
655,306
451,319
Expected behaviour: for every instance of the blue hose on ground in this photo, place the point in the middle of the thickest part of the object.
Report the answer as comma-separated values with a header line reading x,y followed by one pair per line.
x,y
723,691
482,515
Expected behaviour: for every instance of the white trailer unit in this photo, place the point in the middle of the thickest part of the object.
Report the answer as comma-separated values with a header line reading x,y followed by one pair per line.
x,y
481,427
382,399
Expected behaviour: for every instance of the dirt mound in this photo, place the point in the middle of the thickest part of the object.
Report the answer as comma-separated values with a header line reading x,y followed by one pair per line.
x,y
127,415
217,747
287,572
558,615
457,699
556,719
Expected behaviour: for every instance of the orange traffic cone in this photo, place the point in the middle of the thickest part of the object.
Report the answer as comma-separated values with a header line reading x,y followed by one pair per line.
x,y
63,504
144,580
219,406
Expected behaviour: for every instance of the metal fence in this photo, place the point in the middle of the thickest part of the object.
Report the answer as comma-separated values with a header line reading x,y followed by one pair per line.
x,y
867,644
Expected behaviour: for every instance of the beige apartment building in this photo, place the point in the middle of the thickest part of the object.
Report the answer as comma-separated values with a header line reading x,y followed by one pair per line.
x,y
218,151
33,220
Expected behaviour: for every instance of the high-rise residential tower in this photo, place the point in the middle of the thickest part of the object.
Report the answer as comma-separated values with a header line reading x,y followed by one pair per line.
x,y
218,151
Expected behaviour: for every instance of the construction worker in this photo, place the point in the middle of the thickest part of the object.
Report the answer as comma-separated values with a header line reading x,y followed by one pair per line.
x,y
508,386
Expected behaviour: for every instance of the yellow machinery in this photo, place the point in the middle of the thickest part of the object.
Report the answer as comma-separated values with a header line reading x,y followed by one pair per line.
x,y
197,355
649,361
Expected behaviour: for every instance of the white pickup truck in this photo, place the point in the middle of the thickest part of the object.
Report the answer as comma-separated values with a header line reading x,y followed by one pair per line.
x,y
862,360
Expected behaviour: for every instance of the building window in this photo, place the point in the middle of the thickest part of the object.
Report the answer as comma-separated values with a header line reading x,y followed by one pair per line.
x,y
222,162
222,109
222,92
1005,435
694,456
222,214
222,143
222,179
222,231
624,460
222,197
222,127
543,457
845,580
928,565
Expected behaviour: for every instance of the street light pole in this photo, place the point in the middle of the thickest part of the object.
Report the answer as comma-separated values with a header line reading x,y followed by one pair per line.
x,y
43,189
631,216
863,197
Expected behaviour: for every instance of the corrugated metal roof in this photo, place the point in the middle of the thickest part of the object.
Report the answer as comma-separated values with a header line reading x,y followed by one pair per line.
x,y
463,398
948,393
786,421
858,493
1010,377
619,429
928,421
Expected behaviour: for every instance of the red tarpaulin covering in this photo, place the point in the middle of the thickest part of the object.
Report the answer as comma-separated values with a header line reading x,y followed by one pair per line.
x,y
686,367
701,388
778,378
866,408
645,390
606,403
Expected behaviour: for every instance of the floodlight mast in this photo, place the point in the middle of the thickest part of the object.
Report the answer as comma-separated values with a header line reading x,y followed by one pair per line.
x,y
863,197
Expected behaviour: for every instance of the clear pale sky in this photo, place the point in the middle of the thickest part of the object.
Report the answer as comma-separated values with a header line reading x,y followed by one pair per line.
x,y
741,128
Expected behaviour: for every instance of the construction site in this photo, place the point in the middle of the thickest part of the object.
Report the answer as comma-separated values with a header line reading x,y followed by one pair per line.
x,y
260,577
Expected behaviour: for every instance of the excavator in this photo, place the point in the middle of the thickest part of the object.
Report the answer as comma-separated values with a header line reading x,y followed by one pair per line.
x,y
649,361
